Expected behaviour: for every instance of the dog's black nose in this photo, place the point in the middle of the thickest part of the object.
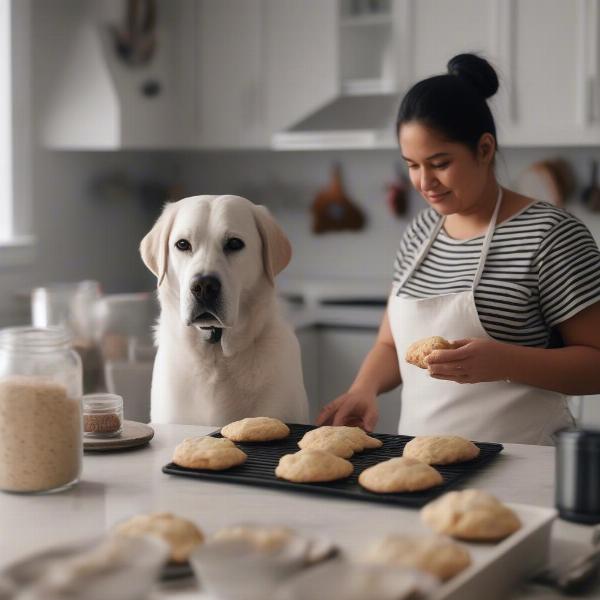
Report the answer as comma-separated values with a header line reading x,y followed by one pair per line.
x,y
205,287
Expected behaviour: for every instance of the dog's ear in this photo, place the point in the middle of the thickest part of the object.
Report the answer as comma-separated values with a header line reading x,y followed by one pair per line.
x,y
276,248
154,248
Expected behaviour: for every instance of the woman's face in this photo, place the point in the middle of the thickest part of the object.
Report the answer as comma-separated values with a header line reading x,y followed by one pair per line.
x,y
449,176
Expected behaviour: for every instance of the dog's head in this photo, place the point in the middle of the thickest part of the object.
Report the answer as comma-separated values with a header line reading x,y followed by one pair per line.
x,y
212,253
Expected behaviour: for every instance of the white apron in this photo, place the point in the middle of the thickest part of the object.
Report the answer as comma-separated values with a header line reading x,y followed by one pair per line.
x,y
498,411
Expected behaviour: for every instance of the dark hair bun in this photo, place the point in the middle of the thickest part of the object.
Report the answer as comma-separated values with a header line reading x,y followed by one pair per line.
x,y
475,70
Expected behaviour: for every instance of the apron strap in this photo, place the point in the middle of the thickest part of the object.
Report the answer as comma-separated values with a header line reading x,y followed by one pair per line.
x,y
422,254
487,242
429,242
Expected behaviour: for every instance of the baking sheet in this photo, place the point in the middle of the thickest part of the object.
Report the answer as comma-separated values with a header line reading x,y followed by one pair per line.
x,y
263,457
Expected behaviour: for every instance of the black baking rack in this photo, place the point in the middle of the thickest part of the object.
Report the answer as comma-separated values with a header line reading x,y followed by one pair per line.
x,y
263,457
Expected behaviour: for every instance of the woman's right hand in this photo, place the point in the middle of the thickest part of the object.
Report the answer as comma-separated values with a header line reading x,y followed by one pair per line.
x,y
354,408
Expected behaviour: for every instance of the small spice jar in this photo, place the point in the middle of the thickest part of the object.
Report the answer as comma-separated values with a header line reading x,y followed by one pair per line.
x,y
102,415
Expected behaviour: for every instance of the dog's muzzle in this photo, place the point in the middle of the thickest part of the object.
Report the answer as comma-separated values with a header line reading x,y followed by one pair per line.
x,y
206,290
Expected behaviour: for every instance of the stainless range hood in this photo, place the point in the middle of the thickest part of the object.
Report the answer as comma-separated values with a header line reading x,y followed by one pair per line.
x,y
352,121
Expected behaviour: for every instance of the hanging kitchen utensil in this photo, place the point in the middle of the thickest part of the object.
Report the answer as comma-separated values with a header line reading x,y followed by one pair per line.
x,y
564,176
591,193
135,42
332,210
397,193
540,181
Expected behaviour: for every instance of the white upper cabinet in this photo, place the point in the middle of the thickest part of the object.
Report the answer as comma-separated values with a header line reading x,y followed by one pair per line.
x,y
441,30
553,64
261,65
230,94
90,97
302,51
545,52
232,73
367,47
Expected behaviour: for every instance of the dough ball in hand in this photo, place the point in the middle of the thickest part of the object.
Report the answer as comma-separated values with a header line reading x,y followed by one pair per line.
x,y
418,351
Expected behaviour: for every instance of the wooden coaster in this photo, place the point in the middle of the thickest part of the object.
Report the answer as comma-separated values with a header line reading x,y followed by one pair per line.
x,y
134,434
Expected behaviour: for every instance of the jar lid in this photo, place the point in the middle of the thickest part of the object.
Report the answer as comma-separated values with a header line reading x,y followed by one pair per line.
x,y
102,403
35,339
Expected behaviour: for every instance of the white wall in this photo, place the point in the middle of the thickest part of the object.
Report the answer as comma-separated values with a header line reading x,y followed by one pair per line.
x,y
288,181
79,235
83,236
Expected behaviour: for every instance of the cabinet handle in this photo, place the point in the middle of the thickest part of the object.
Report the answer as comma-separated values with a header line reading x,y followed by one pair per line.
x,y
592,96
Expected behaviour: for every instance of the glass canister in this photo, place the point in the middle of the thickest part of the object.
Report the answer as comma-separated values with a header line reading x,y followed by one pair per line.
x,y
41,446
73,306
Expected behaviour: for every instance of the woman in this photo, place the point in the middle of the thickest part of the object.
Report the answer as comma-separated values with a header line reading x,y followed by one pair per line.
x,y
496,272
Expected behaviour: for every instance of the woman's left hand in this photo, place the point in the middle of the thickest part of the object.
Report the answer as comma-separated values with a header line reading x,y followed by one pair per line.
x,y
471,360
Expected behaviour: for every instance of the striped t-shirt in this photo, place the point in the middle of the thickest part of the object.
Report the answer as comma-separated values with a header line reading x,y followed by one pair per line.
x,y
542,268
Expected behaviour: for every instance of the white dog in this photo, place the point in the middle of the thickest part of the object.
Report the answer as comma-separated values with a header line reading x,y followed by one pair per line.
x,y
224,352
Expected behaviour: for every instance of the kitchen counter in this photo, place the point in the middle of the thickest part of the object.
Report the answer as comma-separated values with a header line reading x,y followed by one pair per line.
x,y
336,303
118,485
339,315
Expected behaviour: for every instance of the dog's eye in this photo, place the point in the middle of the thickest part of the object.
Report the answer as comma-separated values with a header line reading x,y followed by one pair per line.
x,y
233,245
183,245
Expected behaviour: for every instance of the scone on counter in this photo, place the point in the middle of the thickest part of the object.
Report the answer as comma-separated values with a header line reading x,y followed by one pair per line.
x,y
181,535
418,351
401,474
208,452
436,555
472,515
308,466
441,449
340,440
256,429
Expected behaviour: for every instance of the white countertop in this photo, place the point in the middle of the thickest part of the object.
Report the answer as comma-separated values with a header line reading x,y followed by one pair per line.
x,y
116,486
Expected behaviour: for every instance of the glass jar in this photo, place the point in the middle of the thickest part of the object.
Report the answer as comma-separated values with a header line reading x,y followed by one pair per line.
x,y
73,307
41,445
102,415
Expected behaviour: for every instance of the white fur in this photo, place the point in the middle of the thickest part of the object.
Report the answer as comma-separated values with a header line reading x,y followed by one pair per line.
x,y
255,370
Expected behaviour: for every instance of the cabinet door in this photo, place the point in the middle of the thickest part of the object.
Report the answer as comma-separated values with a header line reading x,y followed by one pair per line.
x,y
546,54
302,50
554,71
440,30
231,74
341,352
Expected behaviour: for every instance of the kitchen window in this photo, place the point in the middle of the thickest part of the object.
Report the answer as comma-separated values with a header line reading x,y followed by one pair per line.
x,y
16,242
